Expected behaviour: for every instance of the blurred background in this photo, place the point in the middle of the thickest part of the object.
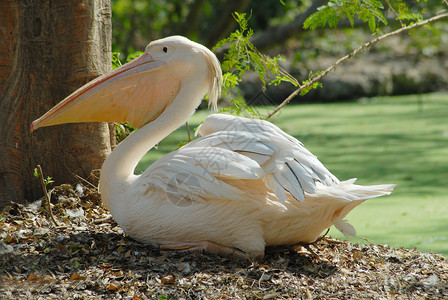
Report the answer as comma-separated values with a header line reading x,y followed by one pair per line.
x,y
411,63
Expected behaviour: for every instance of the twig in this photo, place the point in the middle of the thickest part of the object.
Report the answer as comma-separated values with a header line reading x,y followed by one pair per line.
x,y
323,236
350,55
395,12
103,220
86,181
47,196
188,131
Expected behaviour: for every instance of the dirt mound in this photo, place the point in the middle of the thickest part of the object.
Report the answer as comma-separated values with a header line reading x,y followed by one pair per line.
x,y
89,257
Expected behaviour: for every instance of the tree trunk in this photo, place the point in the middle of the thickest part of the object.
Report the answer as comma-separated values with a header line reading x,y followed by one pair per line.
x,y
226,22
49,49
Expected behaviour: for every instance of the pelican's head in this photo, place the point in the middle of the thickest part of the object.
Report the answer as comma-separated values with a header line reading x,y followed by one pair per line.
x,y
139,91
188,59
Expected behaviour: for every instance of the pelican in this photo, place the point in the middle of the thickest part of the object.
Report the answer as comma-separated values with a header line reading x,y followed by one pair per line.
x,y
243,185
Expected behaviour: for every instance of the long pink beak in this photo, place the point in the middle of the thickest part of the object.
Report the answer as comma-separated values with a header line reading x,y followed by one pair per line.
x,y
126,94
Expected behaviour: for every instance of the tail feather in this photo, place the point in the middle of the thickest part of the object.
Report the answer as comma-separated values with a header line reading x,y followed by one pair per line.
x,y
348,191
352,195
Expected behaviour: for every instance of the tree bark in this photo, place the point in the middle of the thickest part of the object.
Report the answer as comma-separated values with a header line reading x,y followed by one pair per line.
x,y
226,22
49,49
189,27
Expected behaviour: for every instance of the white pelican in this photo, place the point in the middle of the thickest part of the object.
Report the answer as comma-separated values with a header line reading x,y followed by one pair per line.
x,y
242,186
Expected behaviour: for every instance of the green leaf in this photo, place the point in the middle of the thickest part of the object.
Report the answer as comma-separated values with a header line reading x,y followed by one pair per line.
x,y
230,80
313,86
368,11
133,55
122,131
48,180
243,56
36,173
76,265
240,108
116,60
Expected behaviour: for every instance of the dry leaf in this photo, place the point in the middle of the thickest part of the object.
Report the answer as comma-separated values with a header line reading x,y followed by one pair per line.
x,y
127,254
31,277
118,273
170,279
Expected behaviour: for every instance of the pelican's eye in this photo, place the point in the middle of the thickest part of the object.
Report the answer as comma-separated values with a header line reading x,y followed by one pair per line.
x,y
165,49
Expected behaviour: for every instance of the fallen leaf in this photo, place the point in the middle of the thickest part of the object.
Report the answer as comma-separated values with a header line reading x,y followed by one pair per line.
x,y
8,238
170,279
118,273
31,277
128,254
76,265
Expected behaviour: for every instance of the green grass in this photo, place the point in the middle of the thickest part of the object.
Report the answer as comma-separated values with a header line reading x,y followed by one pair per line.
x,y
401,140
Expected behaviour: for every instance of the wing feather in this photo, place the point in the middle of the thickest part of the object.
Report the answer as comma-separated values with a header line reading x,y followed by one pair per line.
x,y
241,149
202,169
287,164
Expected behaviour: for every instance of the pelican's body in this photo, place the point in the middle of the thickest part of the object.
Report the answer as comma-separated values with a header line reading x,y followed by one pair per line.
x,y
243,185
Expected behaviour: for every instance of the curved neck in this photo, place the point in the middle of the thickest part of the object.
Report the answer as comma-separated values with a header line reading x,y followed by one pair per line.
x,y
122,161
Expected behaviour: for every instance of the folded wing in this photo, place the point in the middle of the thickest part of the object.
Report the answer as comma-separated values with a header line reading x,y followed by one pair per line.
x,y
261,149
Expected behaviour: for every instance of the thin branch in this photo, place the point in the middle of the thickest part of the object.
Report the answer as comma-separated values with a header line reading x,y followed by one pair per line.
x,y
86,181
188,131
350,55
395,12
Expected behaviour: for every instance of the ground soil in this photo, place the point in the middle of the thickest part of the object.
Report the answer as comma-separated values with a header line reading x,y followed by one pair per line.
x,y
89,257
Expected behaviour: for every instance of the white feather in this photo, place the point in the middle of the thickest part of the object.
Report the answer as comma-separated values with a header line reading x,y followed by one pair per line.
x,y
345,228
236,186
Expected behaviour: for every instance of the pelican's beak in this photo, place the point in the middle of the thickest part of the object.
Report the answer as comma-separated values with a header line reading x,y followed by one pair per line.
x,y
125,94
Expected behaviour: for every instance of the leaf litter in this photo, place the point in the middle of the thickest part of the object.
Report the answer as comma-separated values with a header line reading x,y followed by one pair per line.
x,y
88,257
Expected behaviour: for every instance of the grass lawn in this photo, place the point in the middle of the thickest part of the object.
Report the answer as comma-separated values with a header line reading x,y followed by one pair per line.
x,y
401,140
